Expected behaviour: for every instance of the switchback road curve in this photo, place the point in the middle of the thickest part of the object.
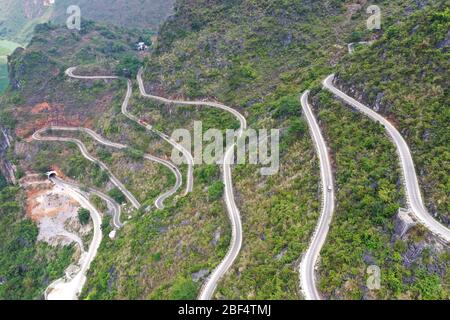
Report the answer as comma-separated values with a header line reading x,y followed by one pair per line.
x,y
69,289
189,159
413,192
159,202
38,137
210,285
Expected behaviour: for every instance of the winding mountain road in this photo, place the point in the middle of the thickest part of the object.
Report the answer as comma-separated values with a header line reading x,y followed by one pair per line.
x,y
187,155
210,285
190,161
217,105
70,288
37,136
69,73
310,258
413,192
159,202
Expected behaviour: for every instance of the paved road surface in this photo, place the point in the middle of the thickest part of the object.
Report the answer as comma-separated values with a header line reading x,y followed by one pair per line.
x,y
179,147
113,206
309,261
413,192
217,105
190,161
159,202
69,72
37,136
69,289
210,284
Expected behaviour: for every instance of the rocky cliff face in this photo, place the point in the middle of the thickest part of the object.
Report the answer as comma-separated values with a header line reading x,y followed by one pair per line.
x,y
7,169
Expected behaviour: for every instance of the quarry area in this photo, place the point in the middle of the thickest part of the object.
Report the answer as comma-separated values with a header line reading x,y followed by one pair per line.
x,y
55,212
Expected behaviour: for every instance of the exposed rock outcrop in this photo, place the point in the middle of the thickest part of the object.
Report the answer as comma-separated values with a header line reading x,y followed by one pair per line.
x,y
403,222
7,169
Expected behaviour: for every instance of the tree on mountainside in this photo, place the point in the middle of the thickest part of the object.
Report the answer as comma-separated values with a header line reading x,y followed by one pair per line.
x,y
215,192
128,66
117,195
84,216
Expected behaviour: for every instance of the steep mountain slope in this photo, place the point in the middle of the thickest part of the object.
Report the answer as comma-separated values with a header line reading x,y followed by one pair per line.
x,y
17,21
36,72
18,18
366,229
34,101
404,76
256,56
26,266
142,14
6,48
42,95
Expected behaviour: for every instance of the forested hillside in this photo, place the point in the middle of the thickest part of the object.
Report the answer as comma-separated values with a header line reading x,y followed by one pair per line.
x,y
26,266
42,95
229,51
257,57
366,229
260,56
404,76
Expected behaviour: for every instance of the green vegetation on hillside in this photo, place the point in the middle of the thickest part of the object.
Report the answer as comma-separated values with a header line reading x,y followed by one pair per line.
x,y
84,216
117,195
26,266
158,253
362,233
404,76
19,17
257,57
6,48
